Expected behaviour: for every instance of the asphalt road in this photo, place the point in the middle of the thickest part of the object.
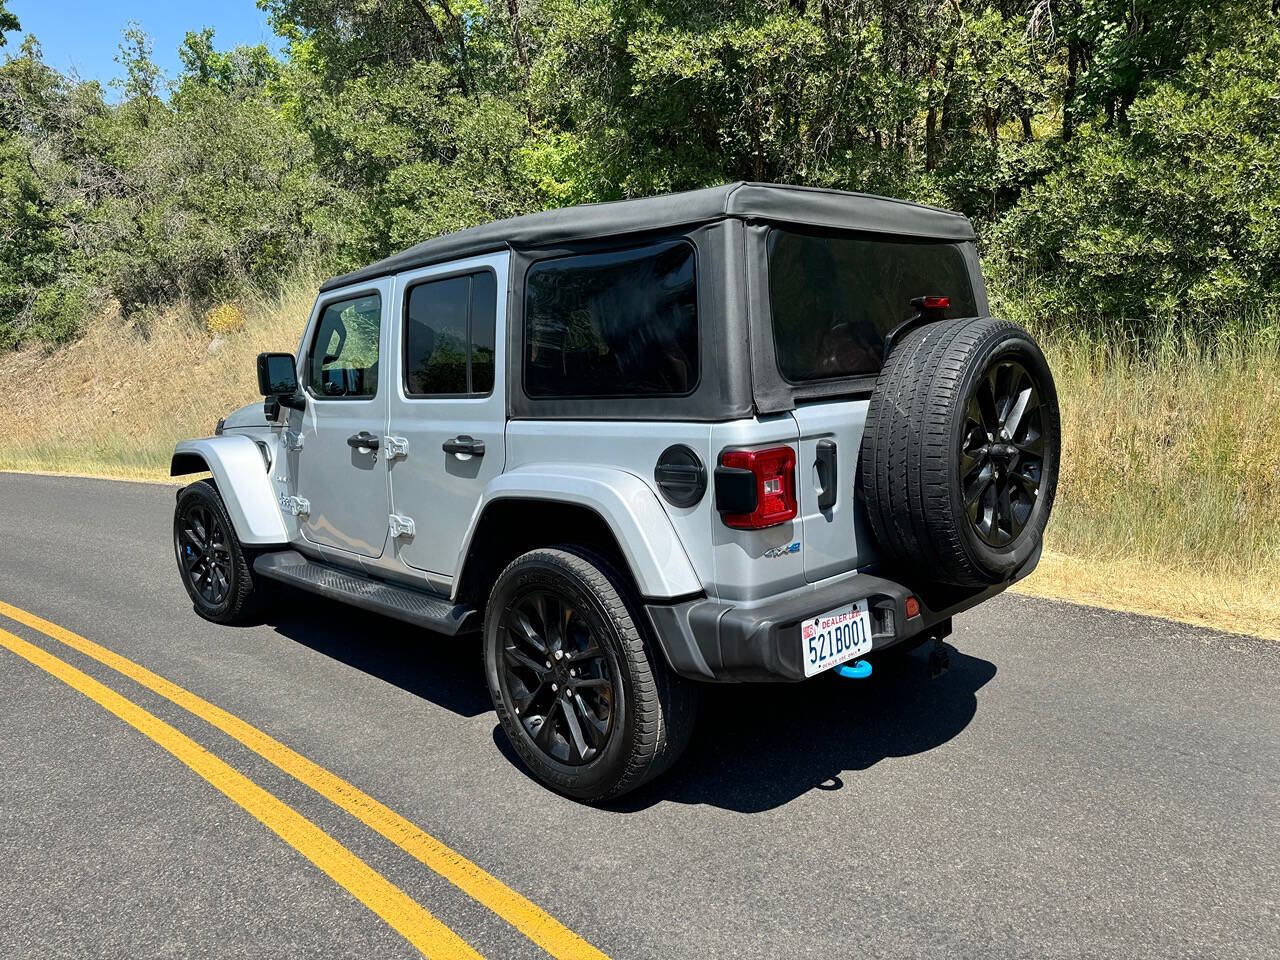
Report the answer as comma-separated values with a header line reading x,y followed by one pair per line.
x,y
1080,783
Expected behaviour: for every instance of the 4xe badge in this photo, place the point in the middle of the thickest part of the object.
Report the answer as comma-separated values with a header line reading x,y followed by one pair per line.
x,y
785,550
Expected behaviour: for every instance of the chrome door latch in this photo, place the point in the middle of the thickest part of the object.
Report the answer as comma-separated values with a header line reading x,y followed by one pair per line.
x,y
401,526
292,440
396,447
298,506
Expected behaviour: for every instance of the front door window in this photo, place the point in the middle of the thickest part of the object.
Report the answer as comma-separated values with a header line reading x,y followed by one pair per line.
x,y
343,362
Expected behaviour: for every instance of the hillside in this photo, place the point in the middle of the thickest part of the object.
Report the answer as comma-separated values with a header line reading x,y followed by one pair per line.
x,y
1169,501
1120,162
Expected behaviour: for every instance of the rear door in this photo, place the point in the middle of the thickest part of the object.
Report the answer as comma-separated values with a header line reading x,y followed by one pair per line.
x,y
448,403
836,537
340,370
832,299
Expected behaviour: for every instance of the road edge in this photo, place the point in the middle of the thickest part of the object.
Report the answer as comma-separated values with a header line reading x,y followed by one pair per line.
x,y
1106,585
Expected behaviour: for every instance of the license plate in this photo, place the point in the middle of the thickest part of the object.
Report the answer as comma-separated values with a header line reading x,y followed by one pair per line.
x,y
836,636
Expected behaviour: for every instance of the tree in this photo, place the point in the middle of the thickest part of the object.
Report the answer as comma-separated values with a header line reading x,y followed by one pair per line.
x,y
1172,219
1116,155
8,23
416,106
46,180
219,188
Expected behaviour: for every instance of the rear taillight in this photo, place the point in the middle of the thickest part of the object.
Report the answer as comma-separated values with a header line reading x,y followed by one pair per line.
x,y
931,305
758,487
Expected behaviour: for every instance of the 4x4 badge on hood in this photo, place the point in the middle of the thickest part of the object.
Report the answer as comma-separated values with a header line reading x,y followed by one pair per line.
x,y
784,550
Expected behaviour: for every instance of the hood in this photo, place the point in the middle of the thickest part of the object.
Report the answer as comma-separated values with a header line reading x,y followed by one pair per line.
x,y
250,415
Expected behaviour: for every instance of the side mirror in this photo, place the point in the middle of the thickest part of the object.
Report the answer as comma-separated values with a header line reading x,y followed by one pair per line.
x,y
278,379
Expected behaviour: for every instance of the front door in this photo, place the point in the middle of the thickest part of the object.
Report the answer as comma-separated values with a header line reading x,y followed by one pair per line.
x,y
448,402
344,481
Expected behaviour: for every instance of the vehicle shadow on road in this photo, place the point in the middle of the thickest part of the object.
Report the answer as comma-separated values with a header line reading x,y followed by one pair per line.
x,y
755,746
760,746
444,670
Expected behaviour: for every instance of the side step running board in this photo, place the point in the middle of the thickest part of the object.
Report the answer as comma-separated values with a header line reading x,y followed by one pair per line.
x,y
413,606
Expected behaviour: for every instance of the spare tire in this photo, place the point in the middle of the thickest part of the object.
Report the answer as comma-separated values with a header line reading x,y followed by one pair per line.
x,y
959,459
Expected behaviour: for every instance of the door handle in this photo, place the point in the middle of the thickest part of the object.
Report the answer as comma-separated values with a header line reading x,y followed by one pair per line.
x,y
464,444
364,440
826,464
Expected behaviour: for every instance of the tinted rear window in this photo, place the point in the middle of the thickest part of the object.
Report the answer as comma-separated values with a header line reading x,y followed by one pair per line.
x,y
834,298
617,324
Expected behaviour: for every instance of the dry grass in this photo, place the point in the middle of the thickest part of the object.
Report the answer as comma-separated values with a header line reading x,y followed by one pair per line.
x,y
115,402
1173,591
1169,501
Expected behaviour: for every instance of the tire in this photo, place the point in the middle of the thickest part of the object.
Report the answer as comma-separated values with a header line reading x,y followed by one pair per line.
x,y
649,710
948,495
219,575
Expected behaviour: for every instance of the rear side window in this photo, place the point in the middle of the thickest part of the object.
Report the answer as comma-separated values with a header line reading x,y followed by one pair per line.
x,y
834,298
617,324
343,361
449,336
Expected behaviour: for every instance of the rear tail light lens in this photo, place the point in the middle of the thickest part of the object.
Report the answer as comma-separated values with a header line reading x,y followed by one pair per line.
x,y
773,472
932,304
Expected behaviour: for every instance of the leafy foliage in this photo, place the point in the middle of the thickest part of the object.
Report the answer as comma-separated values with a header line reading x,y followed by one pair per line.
x,y
8,23
1173,219
1119,156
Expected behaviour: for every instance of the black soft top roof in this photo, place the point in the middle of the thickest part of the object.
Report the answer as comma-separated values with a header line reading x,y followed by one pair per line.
x,y
811,206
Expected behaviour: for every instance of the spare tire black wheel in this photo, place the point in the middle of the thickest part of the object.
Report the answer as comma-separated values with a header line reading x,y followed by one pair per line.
x,y
959,459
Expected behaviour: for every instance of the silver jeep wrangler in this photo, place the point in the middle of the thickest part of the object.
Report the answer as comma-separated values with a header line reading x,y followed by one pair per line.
x,y
745,433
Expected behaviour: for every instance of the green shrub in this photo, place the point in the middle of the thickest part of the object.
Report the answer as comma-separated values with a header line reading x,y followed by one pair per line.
x,y
1174,222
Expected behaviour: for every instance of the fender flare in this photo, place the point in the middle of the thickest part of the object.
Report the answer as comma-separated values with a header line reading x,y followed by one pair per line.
x,y
623,501
238,470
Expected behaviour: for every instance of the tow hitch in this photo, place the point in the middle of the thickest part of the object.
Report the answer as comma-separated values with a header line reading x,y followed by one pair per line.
x,y
858,670
939,656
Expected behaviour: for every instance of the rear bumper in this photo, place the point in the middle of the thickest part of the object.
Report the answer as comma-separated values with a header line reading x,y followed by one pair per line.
x,y
707,639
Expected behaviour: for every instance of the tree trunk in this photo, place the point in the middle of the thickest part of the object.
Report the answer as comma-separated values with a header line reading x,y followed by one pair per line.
x,y
434,31
1027,134
517,36
1069,94
459,28
948,101
930,139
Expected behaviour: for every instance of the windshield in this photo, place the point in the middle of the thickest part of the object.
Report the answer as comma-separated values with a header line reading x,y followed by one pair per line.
x,y
834,298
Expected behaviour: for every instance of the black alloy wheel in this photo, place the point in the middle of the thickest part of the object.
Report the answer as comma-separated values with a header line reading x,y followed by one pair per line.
x,y
205,553
557,677
1002,452
584,696
216,570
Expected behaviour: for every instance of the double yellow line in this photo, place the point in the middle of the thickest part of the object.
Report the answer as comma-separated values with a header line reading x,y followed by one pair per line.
x,y
405,915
